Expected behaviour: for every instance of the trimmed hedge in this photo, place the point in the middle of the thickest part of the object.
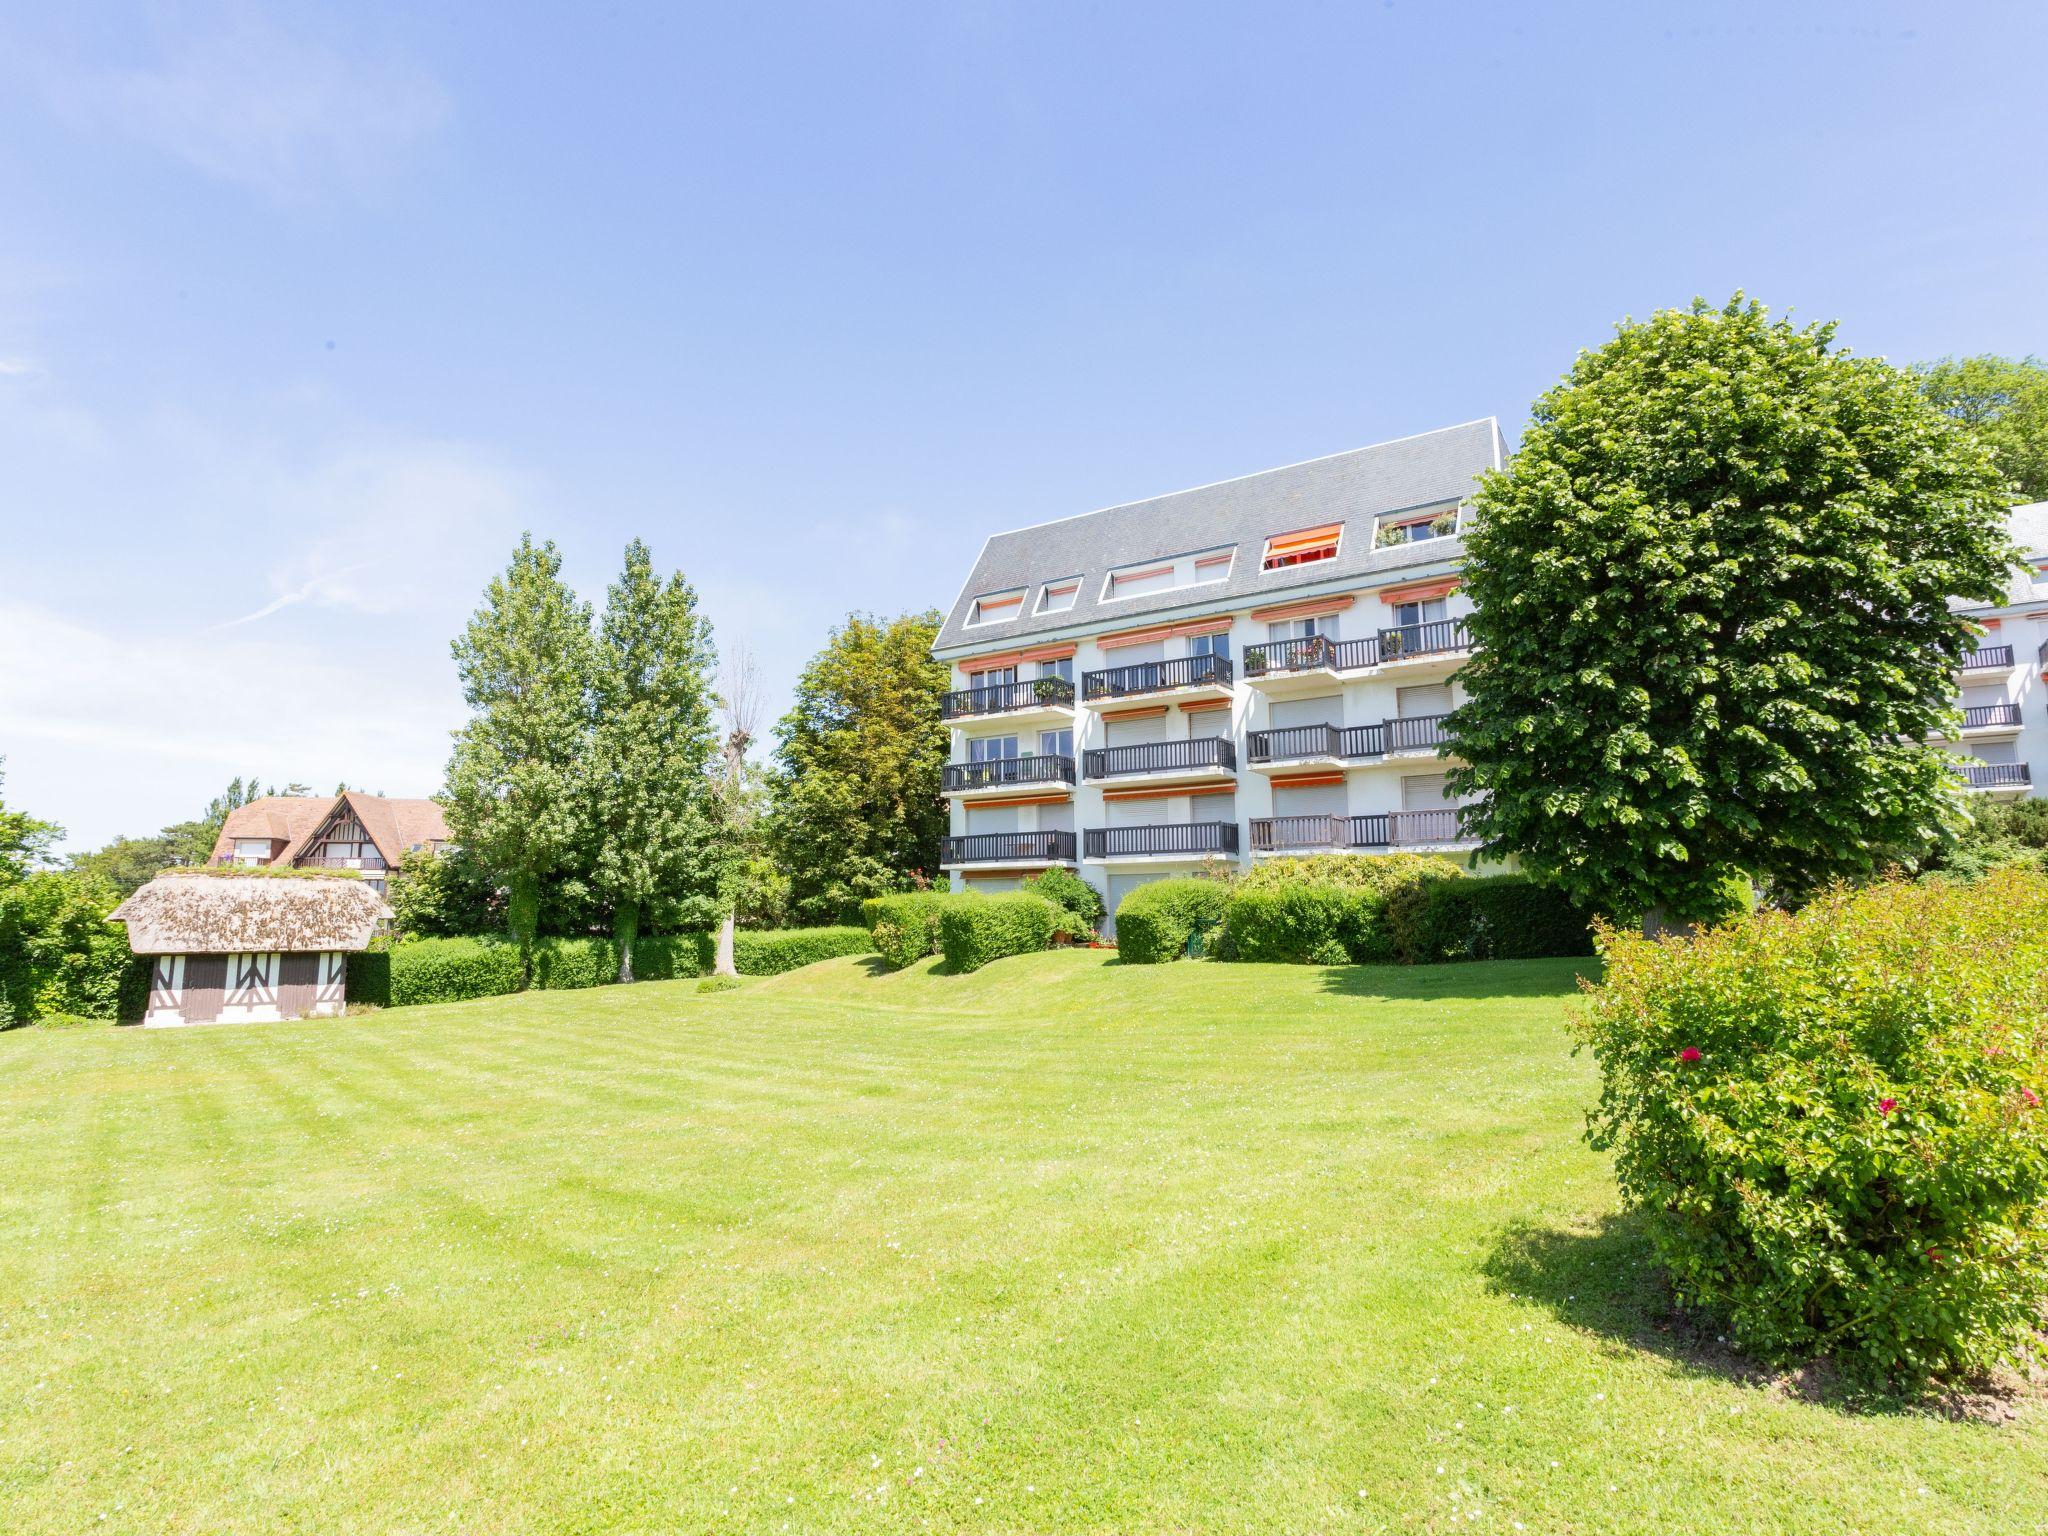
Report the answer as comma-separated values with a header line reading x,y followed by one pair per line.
x,y
672,956
904,927
1076,897
1833,1122
369,978
1502,917
1304,925
974,930
449,970
771,951
565,965
1154,922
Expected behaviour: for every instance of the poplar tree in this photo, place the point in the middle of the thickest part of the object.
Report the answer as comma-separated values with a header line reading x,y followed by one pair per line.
x,y
515,792
651,748
1713,634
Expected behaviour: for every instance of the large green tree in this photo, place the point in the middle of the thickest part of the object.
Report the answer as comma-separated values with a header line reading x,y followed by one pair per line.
x,y
1713,628
515,792
2004,400
651,810
856,809
25,841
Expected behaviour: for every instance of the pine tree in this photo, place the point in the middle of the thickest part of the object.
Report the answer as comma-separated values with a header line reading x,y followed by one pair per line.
x,y
515,793
651,747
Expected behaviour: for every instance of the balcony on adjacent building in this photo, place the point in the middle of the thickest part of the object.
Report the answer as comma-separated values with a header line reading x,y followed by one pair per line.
x,y
1297,744
1199,757
1186,676
1008,848
1007,773
1031,696
1991,717
2007,780
1988,658
1187,839
1386,829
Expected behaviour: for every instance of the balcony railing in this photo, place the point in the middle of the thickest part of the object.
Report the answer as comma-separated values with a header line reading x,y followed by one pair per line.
x,y
1997,775
1313,652
1160,757
1431,639
1986,657
1176,837
1293,742
1157,677
1389,829
1041,768
1978,715
1003,698
1009,848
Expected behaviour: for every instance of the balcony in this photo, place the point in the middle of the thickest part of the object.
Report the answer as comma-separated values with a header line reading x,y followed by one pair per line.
x,y
1007,773
1033,696
1177,840
1991,719
1186,677
1416,642
1008,848
1293,666
1988,658
1999,781
1201,757
1298,744
1389,829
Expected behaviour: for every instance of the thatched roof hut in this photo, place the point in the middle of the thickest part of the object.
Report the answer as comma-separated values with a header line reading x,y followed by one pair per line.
x,y
190,912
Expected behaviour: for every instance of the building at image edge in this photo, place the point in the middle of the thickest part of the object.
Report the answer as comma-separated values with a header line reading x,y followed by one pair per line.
x,y
1258,669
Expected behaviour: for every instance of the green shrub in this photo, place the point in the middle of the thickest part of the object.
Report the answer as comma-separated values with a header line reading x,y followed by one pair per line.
x,y
720,984
1154,922
1833,1121
133,998
445,970
565,965
1380,872
775,950
974,930
1289,923
58,952
368,978
1070,893
672,956
1502,917
905,927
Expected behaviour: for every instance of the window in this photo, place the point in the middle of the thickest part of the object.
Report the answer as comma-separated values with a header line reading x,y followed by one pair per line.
x,y
1406,614
1168,573
1304,546
1210,645
996,607
991,749
1415,527
993,677
1058,596
1302,629
1063,669
252,850
1056,743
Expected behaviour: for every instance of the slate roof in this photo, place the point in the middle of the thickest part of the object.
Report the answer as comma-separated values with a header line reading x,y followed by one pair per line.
x,y
1351,488
394,825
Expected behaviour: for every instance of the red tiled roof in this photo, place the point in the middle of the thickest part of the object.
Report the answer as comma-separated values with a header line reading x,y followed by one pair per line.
x,y
394,825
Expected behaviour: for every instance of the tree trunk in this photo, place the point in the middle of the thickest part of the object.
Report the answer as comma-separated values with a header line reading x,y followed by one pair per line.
x,y
1659,924
625,929
725,965
522,917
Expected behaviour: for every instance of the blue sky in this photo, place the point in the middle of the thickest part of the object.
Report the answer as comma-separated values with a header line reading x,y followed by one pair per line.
x,y
306,312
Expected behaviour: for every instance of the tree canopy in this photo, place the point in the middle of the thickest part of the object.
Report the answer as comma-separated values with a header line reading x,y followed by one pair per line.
x,y
2004,400
855,793
25,841
1712,632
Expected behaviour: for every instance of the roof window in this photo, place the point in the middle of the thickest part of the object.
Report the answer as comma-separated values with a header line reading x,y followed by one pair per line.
x,y
1303,547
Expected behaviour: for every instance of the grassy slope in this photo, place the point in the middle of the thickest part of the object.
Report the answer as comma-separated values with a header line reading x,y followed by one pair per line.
x,y
1059,1246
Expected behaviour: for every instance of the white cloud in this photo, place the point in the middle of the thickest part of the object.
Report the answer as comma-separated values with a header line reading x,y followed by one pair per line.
x,y
17,367
244,102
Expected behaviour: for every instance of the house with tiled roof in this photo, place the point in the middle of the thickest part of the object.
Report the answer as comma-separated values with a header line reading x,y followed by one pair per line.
x,y
351,830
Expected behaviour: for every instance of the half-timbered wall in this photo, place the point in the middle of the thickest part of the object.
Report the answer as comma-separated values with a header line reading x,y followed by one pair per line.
x,y
203,989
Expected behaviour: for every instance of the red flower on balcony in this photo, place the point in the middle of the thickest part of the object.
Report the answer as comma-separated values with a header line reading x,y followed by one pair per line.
x,y
1689,1055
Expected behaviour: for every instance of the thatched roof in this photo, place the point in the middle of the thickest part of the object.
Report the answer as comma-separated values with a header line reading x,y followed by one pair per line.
x,y
192,914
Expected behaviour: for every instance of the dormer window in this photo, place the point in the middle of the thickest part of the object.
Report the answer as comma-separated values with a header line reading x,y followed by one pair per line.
x,y
997,607
1415,527
1058,596
1303,546
1168,573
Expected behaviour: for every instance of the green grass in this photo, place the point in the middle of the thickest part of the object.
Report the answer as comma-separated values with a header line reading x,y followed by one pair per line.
x,y
1062,1245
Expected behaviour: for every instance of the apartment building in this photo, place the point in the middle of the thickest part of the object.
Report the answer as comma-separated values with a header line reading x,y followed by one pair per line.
x,y
1260,668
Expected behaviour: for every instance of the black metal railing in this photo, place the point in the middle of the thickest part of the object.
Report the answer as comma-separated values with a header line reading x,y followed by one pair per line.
x,y
1157,677
1990,714
1007,847
1040,768
1159,757
1272,834
1997,775
1291,743
1403,829
1173,837
1986,656
1002,698
1434,638
1277,658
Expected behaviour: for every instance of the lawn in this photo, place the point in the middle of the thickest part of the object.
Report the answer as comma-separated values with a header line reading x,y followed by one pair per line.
x,y
1060,1246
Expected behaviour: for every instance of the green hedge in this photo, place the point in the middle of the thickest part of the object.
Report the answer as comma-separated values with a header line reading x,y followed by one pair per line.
x,y
771,951
1154,922
974,930
1071,894
1304,925
565,965
1833,1123
672,956
1503,917
905,927
448,970
369,978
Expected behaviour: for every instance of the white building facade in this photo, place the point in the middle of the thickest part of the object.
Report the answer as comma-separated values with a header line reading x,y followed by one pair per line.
x,y
1259,669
